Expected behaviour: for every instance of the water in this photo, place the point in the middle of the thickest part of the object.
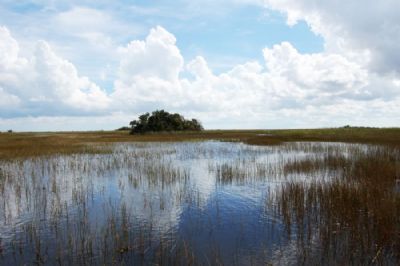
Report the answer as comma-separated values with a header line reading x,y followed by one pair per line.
x,y
168,203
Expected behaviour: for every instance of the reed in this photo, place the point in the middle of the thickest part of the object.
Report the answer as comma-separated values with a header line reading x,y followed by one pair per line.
x,y
23,145
112,198
352,217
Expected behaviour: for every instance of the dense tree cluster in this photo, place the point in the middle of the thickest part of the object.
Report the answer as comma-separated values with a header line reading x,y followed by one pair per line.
x,y
161,120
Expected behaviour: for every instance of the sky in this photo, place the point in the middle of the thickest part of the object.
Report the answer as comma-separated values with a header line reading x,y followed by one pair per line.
x,y
238,64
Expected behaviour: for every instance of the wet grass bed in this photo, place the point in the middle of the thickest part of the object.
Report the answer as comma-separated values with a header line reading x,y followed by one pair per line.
x,y
200,198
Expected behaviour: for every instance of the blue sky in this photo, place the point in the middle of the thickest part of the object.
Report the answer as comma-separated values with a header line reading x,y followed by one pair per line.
x,y
233,64
224,35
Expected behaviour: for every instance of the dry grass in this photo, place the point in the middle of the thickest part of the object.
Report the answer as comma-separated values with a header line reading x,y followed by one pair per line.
x,y
351,218
389,136
17,145
354,217
14,145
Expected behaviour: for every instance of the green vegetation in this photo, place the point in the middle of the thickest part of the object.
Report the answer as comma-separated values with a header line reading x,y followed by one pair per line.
x,y
123,129
161,120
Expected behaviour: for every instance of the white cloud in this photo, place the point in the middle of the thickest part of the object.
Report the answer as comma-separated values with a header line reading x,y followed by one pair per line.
x,y
289,89
157,56
93,26
9,50
199,68
319,75
149,70
45,83
8,101
83,18
292,85
58,80
312,69
366,31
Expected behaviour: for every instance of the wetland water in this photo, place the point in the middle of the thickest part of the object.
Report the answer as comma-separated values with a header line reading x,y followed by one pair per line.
x,y
182,203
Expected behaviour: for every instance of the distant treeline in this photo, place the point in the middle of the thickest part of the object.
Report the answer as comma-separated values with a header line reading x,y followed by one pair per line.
x,y
161,120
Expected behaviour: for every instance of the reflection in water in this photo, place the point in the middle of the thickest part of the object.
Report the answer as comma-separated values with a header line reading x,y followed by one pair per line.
x,y
168,203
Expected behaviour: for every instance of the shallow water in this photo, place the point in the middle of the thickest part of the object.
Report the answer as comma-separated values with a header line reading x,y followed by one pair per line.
x,y
169,203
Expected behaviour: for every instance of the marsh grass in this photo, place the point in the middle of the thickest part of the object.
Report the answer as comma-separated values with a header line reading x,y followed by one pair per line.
x,y
352,218
112,198
48,210
23,145
318,162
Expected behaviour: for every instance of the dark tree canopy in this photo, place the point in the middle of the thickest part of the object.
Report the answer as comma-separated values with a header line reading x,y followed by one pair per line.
x,y
161,120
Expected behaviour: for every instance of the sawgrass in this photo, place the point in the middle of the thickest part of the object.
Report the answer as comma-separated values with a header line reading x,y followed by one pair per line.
x,y
354,217
16,145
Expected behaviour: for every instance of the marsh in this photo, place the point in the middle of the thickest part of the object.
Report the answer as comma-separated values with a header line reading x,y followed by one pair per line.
x,y
202,202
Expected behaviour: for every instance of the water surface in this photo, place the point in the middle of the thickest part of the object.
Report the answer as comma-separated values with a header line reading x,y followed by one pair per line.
x,y
169,203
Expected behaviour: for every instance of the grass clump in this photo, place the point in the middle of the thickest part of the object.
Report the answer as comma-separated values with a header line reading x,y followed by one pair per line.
x,y
354,217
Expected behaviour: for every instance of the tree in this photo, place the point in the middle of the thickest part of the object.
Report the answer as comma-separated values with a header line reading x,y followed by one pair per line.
x,y
161,120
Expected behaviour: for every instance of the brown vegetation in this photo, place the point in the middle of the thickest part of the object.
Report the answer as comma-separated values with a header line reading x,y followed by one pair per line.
x,y
339,203
13,145
353,218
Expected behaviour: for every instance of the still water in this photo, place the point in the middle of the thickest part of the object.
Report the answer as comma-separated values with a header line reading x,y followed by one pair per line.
x,y
154,203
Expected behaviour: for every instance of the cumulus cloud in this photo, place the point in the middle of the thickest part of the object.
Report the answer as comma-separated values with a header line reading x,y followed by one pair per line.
x,y
157,56
9,50
366,31
288,89
320,74
317,85
149,70
44,83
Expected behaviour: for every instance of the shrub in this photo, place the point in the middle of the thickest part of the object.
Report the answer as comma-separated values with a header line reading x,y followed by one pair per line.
x,y
161,120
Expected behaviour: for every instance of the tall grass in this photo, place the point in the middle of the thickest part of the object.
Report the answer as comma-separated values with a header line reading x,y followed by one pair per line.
x,y
23,145
353,218
93,198
56,210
